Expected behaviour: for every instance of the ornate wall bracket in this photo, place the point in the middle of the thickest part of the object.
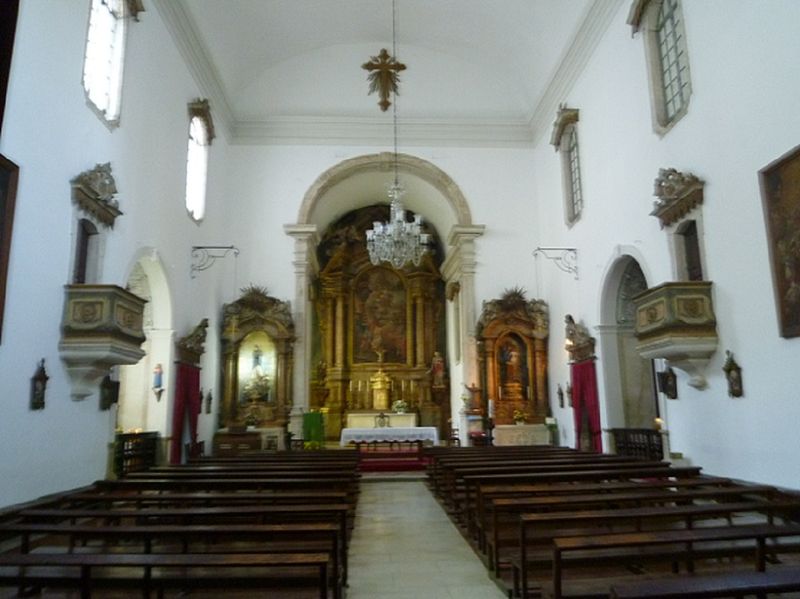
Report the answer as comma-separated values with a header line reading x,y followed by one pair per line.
x,y
677,194
93,192
579,343
204,256
565,259
101,328
191,347
676,321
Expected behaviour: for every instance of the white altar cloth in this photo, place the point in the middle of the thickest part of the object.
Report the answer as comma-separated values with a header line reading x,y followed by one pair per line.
x,y
389,433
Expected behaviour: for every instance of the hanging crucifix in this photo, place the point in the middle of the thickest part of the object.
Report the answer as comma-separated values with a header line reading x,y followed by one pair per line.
x,y
383,76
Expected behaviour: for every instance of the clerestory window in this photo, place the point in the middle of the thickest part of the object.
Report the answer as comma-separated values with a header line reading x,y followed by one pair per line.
x,y
565,140
201,132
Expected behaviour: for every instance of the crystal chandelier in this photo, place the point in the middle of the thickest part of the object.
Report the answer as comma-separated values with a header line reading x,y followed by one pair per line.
x,y
397,241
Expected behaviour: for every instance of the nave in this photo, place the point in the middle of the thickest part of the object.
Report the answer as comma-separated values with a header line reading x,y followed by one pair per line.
x,y
404,546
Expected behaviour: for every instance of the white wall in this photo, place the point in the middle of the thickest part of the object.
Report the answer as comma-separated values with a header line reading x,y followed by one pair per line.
x,y
744,76
53,136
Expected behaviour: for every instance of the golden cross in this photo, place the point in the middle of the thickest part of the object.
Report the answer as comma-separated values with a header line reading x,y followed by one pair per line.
x,y
383,76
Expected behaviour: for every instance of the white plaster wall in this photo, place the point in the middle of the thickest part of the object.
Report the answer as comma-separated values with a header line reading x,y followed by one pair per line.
x,y
745,81
51,133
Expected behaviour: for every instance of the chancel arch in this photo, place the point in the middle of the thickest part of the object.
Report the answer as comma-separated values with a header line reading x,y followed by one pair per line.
x,y
356,184
630,388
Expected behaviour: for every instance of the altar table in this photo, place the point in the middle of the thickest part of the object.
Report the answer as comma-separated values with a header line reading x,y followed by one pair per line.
x,y
394,433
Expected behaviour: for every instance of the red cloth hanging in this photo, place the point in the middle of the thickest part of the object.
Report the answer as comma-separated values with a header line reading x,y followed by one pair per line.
x,y
586,401
187,403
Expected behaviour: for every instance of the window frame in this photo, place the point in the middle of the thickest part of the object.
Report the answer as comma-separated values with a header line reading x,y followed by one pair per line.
x,y
197,159
565,140
645,16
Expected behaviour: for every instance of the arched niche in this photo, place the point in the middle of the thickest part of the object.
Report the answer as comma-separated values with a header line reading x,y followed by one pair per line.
x,y
513,332
257,349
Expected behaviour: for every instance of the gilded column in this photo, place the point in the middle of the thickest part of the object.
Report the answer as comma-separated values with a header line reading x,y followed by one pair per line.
x,y
339,331
419,305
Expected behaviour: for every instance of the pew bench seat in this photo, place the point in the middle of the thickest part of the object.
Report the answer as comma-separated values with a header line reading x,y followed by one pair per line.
x,y
777,580
149,573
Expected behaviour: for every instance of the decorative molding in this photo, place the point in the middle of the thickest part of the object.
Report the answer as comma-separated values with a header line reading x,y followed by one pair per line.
x,y
134,8
335,130
579,343
564,118
635,15
198,61
93,192
191,347
677,194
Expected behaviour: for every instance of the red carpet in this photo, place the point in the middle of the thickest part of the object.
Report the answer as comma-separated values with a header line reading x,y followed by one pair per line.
x,y
391,461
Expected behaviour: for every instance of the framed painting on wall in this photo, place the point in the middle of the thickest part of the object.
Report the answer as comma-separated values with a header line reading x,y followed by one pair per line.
x,y
8,194
780,191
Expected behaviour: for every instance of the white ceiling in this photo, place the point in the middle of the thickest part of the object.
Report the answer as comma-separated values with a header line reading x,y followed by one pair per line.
x,y
291,69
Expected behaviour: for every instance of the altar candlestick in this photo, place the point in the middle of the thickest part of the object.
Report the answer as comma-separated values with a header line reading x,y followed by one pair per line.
x,y
499,393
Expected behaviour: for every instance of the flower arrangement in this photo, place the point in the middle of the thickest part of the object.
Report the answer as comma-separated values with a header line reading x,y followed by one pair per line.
x,y
399,406
519,416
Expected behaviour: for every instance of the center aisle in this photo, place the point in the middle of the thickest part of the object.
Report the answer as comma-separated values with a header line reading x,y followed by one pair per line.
x,y
404,545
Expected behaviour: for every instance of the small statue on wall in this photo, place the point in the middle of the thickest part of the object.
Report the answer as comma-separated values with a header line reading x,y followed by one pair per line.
x,y
38,387
437,371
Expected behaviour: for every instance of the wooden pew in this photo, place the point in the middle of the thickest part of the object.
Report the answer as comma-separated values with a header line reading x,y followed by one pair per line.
x,y
730,584
668,545
88,571
487,493
269,538
538,530
507,510
255,514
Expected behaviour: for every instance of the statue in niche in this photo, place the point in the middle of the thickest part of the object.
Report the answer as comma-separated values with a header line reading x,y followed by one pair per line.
x,y
437,371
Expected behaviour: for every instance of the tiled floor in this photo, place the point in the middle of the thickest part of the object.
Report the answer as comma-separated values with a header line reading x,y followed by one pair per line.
x,y
404,545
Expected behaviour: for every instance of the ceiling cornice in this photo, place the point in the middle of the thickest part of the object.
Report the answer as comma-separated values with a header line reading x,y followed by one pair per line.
x,y
184,33
595,23
360,131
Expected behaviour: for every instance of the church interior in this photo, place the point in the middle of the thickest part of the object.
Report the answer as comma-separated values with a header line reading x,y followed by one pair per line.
x,y
496,223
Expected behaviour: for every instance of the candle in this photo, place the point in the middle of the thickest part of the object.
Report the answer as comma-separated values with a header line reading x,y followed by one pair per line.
x,y
499,393
491,408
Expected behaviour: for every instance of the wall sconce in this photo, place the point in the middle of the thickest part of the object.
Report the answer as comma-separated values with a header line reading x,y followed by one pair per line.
x,y
39,387
560,394
733,373
209,399
569,394
158,379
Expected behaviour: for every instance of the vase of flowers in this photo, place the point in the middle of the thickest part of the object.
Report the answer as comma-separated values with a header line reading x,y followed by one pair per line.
x,y
519,417
399,406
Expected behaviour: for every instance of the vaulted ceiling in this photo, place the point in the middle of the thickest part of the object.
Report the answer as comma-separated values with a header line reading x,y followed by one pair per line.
x,y
479,71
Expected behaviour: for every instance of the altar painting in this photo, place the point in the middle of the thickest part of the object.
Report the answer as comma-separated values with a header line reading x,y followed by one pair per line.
x,y
257,367
380,317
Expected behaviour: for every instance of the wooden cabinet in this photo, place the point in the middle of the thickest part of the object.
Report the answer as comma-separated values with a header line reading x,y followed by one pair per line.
x,y
230,444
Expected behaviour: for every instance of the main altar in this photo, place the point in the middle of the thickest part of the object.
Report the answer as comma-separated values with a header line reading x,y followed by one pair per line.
x,y
378,338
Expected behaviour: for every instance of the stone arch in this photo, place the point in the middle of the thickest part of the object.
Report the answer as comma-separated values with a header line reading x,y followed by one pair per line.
x,y
630,396
139,406
445,207
384,162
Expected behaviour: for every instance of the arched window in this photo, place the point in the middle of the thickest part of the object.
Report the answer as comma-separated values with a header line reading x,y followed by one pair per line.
x,y
201,132
104,59
565,140
667,58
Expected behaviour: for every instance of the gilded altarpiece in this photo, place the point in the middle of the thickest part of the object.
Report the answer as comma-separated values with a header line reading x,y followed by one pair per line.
x,y
377,330
257,344
512,333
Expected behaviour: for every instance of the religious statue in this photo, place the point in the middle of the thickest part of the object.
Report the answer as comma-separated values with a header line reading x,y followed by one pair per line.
x,y
437,370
